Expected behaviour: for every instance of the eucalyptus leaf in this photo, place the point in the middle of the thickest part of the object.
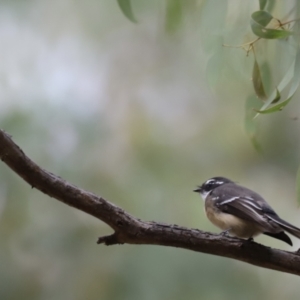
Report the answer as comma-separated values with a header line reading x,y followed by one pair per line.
x,y
294,86
255,143
270,5
275,108
283,83
267,33
126,8
296,78
173,15
266,75
251,124
257,82
277,98
262,17
262,4
259,20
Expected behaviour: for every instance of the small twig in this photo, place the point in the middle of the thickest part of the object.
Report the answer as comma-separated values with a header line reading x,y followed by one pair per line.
x,y
109,240
251,43
288,22
244,46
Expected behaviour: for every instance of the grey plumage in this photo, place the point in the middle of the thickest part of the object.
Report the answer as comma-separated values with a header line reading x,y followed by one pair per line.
x,y
242,212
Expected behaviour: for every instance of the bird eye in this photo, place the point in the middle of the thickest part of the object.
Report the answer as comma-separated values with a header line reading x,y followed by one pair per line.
x,y
209,186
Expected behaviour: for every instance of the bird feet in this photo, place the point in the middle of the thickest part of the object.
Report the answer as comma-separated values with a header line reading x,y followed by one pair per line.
x,y
225,232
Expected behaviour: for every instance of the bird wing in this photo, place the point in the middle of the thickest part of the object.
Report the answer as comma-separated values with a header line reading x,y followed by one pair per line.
x,y
286,226
264,216
245,208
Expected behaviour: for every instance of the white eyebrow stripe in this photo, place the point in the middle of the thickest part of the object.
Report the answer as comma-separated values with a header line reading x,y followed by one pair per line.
x,y
214,181
209,180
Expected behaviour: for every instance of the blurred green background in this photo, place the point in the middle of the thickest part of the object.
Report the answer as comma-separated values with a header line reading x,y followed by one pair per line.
x,y
139,114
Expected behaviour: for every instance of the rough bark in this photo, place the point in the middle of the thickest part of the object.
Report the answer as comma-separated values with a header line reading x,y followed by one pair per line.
x,y
131,230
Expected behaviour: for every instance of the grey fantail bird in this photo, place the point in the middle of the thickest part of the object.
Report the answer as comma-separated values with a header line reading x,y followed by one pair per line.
x,y
242,212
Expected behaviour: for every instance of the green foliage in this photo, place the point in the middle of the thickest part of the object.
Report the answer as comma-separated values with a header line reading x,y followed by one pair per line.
x,y
257,81
251,124
259,21
262,26
174,15
293,76
126,8
262,4
126,112
277,97
273,95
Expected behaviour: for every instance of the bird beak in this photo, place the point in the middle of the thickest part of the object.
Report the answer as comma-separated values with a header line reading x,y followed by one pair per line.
x,y
198,189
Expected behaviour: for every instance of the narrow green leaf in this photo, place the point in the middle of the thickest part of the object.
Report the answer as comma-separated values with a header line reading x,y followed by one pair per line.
x,y
126,8
283,83
257,82
296,78
250,123
277,98
275,108
267,33
266,76
255,143
259,20
173,15
298,185
262,4
294,86
262,17
270,5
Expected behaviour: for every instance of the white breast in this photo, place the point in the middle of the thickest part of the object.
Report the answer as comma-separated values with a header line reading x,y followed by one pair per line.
x,y
236,226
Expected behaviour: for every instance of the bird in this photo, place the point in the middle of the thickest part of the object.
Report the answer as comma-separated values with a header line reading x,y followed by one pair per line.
x,y
241,212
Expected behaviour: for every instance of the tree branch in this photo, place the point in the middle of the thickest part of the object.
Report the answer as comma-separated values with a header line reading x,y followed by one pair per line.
x,y
130,230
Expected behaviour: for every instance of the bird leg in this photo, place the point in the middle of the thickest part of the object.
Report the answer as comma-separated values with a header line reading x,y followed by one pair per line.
x,y
225,232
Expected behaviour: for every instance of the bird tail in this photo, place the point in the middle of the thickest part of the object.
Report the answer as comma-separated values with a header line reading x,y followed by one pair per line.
x,y
286,226
280,236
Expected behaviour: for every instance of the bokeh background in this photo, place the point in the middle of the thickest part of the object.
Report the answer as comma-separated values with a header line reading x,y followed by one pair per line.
x,y
139,114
